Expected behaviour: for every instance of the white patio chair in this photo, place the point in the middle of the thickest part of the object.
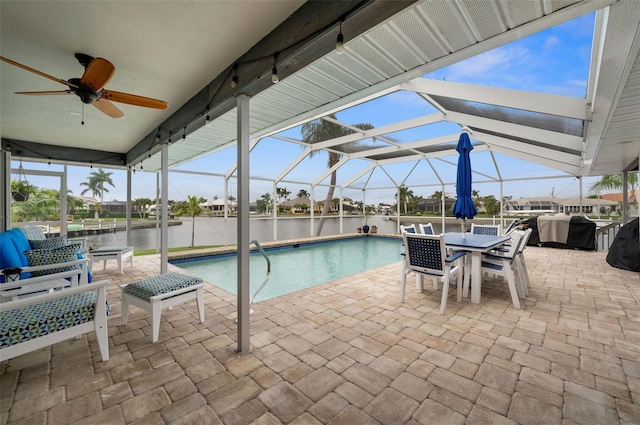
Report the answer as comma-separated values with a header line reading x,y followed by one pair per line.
x,y
409,228
501,264
522,274
485,229
426,255
426,229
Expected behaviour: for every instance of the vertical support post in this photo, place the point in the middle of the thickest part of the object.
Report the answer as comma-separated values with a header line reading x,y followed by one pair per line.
x,y
398,209
502,224
625,197
341,211
5,183
275,211
243,223
128,216
64,207
164,203
226,212
580,207
364,206
158,237
312,214
443,198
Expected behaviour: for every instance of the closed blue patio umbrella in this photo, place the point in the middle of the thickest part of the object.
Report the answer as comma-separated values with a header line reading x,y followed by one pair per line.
x,y
464,207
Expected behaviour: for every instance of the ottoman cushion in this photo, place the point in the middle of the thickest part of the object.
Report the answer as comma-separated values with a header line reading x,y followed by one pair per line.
x,y
161,284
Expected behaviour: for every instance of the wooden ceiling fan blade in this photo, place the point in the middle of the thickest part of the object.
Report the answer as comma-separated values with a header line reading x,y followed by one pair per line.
x,y
97,74
133,99
35,71
40,93
108,108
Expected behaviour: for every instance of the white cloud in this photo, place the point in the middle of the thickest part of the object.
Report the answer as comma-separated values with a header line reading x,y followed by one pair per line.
x,y
551,41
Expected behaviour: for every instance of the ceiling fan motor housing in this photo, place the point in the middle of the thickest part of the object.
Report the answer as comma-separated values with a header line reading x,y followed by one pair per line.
x,y
84,92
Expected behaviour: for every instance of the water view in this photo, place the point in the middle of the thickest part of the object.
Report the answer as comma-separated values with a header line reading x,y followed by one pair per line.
x,y
218,231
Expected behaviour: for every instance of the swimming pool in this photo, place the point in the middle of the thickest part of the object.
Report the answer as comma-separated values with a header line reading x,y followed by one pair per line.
x,y
296,267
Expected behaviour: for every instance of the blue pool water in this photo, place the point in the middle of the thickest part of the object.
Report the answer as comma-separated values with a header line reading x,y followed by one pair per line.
x,y
297,267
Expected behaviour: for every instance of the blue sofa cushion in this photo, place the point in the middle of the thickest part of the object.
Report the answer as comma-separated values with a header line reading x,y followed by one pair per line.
x,y
12,245
30,322
41,257
51,243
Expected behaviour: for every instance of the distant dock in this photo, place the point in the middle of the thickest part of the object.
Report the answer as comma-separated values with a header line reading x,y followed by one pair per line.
x,y
103,226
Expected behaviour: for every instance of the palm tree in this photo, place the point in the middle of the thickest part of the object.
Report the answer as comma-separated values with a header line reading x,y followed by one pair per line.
x,y
264,203
96,182
615,182
282,193
303,194
191,208
405,194
318,131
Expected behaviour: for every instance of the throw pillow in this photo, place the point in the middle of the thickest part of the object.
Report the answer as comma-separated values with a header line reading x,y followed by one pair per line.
x,y
46,257
51,243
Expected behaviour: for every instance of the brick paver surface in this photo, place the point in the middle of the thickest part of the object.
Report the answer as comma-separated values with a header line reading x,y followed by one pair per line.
x,y
348,352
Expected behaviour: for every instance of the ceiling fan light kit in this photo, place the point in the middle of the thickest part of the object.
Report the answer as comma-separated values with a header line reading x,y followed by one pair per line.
x,y
90,87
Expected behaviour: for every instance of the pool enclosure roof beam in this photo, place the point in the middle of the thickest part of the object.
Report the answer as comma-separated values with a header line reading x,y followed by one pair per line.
x,y
564,106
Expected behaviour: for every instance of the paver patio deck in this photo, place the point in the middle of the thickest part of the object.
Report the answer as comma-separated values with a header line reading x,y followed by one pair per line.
x,y
348,352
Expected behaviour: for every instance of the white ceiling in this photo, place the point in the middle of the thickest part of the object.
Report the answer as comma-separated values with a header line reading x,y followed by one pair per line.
x,y
171,50
167,50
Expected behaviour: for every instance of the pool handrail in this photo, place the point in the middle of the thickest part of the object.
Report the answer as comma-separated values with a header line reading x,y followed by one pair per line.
x,y
266,257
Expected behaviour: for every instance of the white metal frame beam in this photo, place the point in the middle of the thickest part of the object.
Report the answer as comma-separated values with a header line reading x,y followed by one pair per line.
x,y
564,106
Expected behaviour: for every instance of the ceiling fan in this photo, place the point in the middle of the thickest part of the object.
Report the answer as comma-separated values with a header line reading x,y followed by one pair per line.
x,y
90,87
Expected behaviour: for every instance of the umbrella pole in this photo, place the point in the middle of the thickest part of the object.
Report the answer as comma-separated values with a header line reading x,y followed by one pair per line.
x,y
464,228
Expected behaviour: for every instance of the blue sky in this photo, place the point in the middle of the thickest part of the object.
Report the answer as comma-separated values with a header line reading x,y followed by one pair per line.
x,y
553,61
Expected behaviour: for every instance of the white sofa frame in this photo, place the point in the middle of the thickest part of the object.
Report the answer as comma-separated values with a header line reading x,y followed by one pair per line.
x,y
98,324
77,277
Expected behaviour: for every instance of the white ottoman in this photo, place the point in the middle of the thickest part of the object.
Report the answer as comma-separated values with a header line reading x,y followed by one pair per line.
x,y
111,253
158,292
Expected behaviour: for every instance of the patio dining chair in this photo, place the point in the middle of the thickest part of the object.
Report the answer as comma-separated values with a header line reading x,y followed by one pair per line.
x,y
426,229
501,264
426,255
409,228
522,274
485,229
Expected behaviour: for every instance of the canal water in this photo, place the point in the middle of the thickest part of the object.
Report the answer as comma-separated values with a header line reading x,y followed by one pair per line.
x,y
221,231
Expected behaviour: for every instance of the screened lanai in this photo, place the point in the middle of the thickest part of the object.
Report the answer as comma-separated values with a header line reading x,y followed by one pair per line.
x,y
572,136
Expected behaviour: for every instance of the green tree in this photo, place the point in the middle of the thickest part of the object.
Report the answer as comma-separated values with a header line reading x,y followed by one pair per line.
x,y
403,197
141,205
303,194
264,203
318,131
615,182
193,209
95,183
43,204
491,204
282,193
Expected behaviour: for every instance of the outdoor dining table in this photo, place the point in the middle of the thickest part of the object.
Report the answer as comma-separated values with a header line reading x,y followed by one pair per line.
x,y
475,245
